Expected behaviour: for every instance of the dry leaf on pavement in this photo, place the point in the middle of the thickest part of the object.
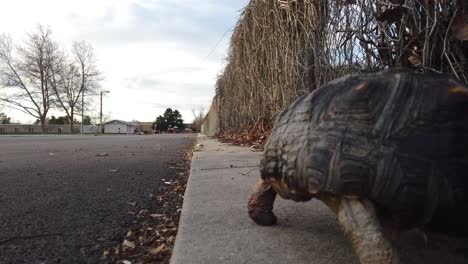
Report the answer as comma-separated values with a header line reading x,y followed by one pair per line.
x,y
156,251
128,244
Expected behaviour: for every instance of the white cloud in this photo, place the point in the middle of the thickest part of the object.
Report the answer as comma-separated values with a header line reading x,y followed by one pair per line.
x,y
153,53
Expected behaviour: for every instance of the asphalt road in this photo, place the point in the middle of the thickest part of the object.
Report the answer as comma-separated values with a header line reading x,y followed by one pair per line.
x,y
60,203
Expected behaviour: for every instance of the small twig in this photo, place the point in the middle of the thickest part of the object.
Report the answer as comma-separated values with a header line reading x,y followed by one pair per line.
x,y
432,70
247,173
29,237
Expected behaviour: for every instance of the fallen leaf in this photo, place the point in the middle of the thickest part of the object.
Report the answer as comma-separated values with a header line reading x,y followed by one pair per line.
x,y
414,60
171,239
126,262
156,251
156,215
128,244
460,27
117,250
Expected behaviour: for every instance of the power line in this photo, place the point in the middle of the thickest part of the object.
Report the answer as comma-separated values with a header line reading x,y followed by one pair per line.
x,y
217,44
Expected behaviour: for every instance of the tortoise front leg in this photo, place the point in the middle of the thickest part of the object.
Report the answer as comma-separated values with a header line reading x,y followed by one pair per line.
x,y
361,225
260,204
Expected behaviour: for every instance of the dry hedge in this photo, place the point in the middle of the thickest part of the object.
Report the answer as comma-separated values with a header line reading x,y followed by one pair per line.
x,y
281,49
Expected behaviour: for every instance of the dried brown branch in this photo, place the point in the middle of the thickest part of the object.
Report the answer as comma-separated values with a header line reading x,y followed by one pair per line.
x,y
281,48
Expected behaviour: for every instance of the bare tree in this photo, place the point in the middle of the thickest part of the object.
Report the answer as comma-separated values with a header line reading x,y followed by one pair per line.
x,y
26,73
198,118
74,77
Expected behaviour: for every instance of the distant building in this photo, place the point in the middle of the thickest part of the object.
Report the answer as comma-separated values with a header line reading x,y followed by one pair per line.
x,y
145,127
37,129
119,127
90,129
172,129
186,130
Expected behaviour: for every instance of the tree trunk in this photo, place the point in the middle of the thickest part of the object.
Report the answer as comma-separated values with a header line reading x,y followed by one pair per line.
x,y
43,125
71,121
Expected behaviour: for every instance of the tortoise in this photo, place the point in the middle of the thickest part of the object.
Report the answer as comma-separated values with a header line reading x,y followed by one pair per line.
x,y
385,151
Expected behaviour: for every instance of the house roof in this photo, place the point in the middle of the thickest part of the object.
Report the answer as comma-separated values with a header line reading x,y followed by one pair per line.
x,y
144,123
120,121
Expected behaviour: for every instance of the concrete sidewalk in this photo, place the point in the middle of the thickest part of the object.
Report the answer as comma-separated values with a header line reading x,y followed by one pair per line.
x,y
215,227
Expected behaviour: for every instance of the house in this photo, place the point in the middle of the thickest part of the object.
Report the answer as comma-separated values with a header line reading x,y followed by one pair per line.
x,y
119,127
145,127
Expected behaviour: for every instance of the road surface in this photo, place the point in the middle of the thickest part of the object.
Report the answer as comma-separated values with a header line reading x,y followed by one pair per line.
x,y
61,203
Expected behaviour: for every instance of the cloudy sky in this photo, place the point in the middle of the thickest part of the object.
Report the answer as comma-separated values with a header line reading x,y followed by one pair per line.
x,y
154,53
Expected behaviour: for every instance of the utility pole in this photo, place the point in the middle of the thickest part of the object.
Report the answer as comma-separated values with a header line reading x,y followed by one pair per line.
x,y
100,123
82,111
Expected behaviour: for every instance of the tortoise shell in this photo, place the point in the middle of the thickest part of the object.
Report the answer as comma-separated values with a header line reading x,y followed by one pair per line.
x,y
397,138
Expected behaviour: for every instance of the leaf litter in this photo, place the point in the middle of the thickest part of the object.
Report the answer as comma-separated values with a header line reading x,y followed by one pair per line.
x,y
152,235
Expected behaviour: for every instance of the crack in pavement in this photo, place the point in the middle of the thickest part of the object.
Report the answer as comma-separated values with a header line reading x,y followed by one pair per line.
x,y
233,167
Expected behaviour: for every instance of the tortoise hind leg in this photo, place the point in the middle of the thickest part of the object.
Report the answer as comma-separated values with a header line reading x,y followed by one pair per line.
x,y
260,204
361,225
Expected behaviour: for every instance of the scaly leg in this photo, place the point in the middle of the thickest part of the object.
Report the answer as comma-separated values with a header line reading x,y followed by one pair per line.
x,y
360,224
260,203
